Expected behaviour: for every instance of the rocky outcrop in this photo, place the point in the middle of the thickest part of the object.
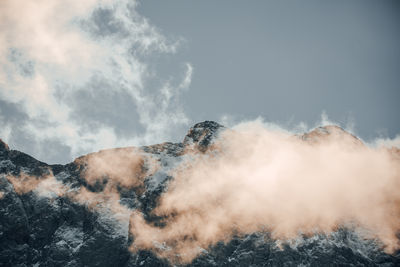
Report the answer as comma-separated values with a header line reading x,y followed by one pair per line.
x,y
202,134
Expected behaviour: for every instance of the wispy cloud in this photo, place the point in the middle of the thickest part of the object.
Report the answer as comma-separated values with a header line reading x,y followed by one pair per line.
x,y
53,52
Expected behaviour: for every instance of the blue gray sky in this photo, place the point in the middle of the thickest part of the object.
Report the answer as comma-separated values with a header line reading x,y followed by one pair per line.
x,y
288,61
118,73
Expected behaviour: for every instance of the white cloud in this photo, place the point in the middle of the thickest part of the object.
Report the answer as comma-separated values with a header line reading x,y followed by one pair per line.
x,y
188,77
51,49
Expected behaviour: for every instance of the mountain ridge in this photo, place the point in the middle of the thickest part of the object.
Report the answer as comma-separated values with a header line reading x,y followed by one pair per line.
x,y
69,225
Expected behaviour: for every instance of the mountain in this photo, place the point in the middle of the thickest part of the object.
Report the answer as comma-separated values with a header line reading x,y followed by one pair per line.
x,y
78,214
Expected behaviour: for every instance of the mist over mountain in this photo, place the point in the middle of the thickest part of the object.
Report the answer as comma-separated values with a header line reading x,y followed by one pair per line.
x,y
247,196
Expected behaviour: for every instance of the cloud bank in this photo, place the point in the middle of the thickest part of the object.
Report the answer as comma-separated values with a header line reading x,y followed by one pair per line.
x,y
258,179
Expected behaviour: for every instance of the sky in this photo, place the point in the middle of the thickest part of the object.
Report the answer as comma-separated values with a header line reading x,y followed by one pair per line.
x,y
77,78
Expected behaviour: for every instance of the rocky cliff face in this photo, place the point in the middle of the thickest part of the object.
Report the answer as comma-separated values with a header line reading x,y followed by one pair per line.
x,y
78,215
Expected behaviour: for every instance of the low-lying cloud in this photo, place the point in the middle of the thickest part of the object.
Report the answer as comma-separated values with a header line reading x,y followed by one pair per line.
x,y
258,179
125,167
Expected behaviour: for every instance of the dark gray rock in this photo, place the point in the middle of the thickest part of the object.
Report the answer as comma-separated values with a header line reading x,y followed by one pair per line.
x,y
202,134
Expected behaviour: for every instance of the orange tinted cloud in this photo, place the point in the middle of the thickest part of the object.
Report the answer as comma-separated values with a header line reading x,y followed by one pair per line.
x,y
125,166
257,179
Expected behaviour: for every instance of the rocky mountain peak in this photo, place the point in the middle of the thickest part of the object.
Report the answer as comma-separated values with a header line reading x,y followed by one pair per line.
x,y
323,132
202,134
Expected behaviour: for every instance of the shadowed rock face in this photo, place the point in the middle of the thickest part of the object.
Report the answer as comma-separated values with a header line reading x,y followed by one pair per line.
x,y
62,230
202,134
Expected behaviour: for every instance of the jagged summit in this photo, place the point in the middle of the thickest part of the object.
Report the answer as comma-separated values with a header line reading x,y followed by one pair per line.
x,y
202,134
329,131
199,136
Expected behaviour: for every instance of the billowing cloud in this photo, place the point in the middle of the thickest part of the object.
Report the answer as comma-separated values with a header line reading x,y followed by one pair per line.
x,y
126,167
259,178
53,53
